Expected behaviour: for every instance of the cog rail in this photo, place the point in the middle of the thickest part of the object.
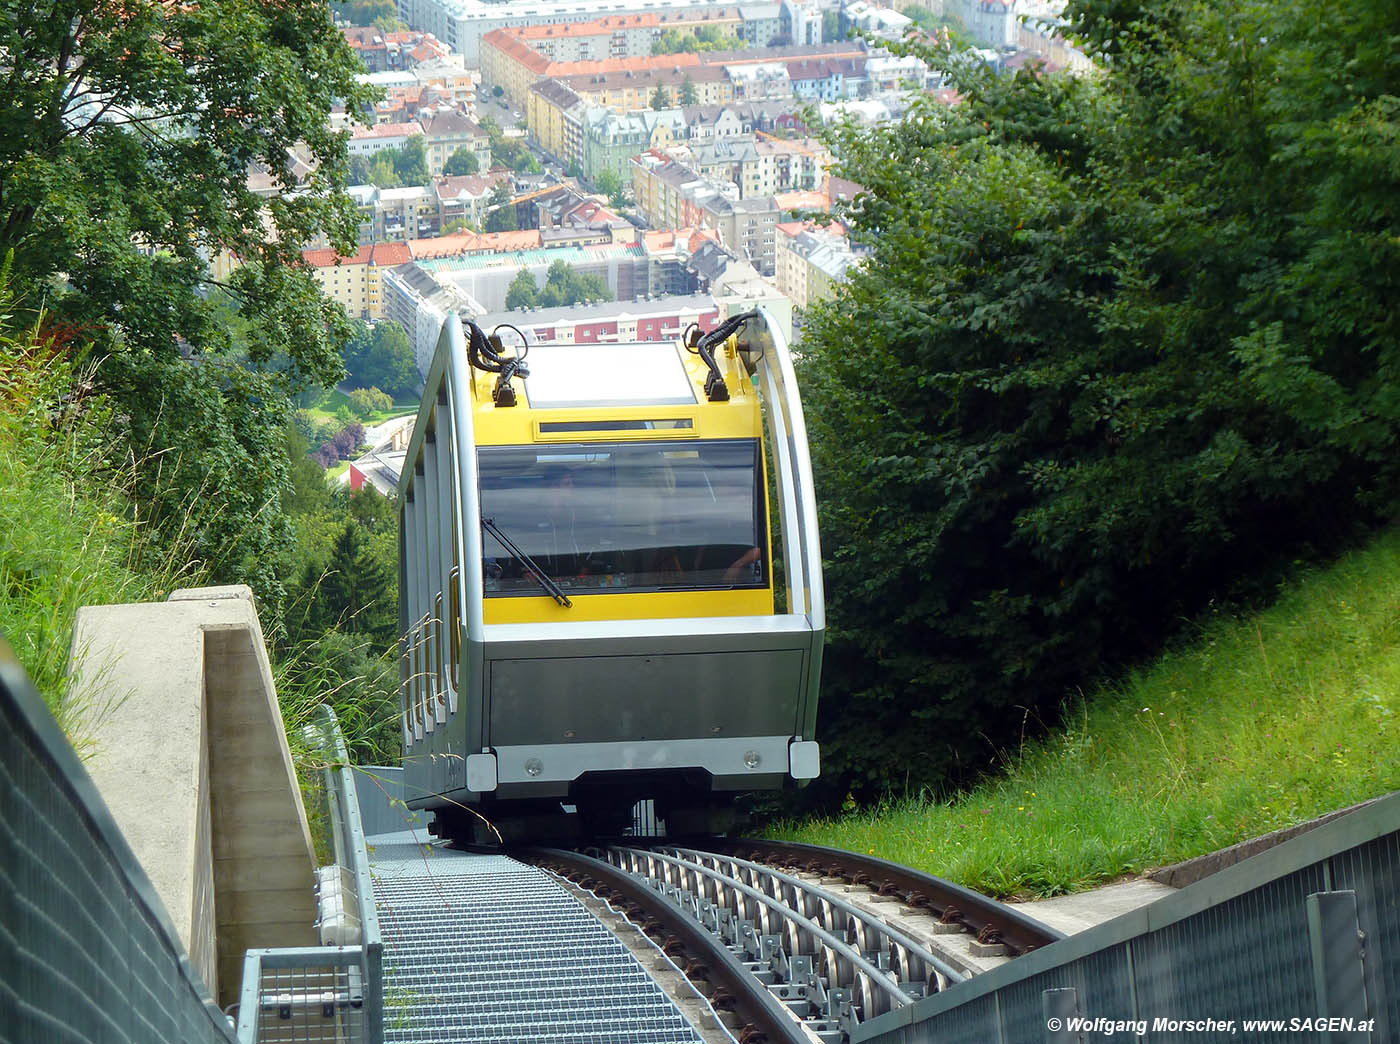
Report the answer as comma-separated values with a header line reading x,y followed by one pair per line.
x,y
986,919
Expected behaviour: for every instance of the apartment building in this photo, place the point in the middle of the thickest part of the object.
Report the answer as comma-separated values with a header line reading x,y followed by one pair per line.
x,y
447,130
672,195
611,139
555,115
366,141
508,61
811,261
354,282
463,23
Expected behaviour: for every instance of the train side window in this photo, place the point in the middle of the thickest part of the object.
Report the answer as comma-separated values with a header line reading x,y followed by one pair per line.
x,y
454,630
417,682
439,668
406,694
429,675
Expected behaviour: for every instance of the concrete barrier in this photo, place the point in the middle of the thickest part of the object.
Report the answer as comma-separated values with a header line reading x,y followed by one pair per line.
x,y
184,740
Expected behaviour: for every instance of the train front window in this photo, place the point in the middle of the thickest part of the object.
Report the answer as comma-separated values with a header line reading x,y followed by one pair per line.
x,y
628,516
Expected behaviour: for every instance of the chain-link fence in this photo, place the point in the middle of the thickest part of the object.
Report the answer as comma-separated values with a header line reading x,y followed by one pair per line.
x,y
87,950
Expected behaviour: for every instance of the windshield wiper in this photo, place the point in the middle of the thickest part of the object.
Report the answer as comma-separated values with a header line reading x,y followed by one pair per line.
x,y
541,577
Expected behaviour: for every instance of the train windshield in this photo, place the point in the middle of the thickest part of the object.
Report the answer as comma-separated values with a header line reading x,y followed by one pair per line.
x,y
624,516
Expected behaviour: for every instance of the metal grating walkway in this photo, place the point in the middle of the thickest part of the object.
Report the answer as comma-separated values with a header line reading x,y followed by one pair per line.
x,y
481,948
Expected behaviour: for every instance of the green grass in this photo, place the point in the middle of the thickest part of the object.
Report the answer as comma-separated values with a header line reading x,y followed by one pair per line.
x,y
1259,723
70,538
324,409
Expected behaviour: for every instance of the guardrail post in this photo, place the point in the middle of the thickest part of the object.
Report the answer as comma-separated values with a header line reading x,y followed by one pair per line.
x,y
1339,964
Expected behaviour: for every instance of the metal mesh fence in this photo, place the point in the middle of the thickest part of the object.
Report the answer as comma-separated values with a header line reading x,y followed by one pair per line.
x,y
1307,931
87,952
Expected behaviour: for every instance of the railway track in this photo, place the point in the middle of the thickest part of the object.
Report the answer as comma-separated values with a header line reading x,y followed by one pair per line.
x,y
796,943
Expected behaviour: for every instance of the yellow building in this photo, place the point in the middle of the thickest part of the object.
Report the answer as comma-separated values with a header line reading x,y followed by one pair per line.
x,y
353,282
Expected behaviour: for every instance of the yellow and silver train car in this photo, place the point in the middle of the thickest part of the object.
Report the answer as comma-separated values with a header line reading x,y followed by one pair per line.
x,y
587,592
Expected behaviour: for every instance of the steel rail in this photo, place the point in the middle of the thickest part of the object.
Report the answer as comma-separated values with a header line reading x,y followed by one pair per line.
x,y
764,1016
875,990
987,919
948,974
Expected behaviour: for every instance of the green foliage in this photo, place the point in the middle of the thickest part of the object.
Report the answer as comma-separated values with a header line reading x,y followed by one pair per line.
x,y
660,98
1120,346
353,593
706,38
948,28
388,362
367,401
500,213
358,172
515,155
523,291
1256,724
565,285
120,172
405,165
688,94
608,183
72,538
463,161
365,12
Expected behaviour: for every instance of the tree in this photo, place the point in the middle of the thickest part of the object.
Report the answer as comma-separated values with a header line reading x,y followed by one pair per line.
x,y
463,161
356,351
130,133
366,401
410,162
660,98
610,185
523,292
689,96
1121,344
130,130
353,593
565,285
358,171
390,363
365,12
382,169
497,91
500,212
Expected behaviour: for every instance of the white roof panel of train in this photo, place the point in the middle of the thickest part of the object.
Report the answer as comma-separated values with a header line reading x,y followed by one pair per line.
x,y
575,375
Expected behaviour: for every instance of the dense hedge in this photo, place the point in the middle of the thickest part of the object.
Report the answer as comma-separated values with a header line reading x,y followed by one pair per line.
x,y
1122,344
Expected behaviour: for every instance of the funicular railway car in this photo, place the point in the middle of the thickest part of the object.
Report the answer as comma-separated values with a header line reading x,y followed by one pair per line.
x,y
587,595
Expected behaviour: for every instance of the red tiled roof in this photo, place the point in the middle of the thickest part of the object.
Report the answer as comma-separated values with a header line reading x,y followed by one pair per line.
x,y
382,254
386,130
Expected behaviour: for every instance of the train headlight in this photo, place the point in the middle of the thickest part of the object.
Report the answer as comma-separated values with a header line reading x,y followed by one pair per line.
x,y
751,759
534,767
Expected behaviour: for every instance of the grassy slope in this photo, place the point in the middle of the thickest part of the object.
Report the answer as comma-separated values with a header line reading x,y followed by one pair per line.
x,y
69,541
1257,724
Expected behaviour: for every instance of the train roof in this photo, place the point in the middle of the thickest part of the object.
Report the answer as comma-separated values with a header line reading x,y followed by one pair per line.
x,y
629,390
